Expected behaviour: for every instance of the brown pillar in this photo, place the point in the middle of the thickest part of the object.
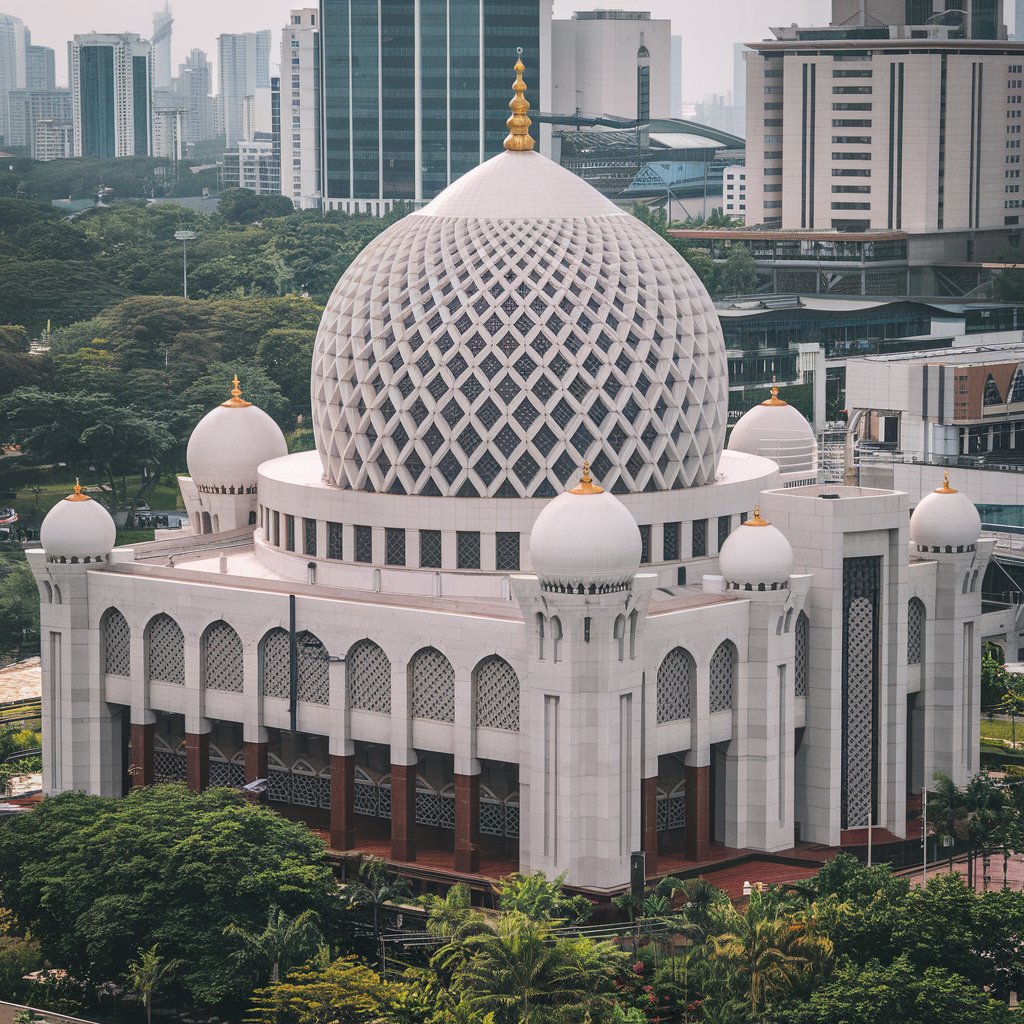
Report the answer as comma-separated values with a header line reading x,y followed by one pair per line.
x,y
403,812
467,823
343,801
649,822
255,761
197,760
698,812
141,769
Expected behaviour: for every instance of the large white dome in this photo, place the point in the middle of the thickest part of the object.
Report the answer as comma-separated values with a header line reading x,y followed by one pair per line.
x,y
514,327
776,431
77,527
945,520
755,556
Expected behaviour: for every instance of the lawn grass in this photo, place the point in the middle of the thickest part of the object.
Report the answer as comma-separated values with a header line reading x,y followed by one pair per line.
x,y
998,729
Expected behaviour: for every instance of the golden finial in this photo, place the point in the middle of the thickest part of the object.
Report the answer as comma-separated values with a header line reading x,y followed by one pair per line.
x,y
519,139
236,401
774,400
755,519
78,495
945,488
586,484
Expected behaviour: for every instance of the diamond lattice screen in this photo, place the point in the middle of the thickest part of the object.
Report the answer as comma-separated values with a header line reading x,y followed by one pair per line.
x,y
800,654
675,677
723,667
165,645
433,686
467,357
276,665
117,644
915,631
497,695
222,658
314,671
369,678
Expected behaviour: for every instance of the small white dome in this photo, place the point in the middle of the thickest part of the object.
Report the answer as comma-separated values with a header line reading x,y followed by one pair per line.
x,y
756,554
230,442
776,431
585,537
77,527
945,519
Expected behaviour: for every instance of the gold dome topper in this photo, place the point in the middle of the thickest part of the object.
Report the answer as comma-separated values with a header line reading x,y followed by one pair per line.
x,y
78,495
586,484
755,519
236,401
945,488
774,400
519,139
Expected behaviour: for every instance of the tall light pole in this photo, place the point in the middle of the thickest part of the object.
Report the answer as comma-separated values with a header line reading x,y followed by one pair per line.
x,y
184,237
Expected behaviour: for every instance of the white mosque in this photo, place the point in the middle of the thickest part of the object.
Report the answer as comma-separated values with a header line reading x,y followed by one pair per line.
x,y
521,598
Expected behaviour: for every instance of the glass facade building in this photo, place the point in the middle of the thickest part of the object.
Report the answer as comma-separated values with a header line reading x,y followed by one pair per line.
x,y
415,93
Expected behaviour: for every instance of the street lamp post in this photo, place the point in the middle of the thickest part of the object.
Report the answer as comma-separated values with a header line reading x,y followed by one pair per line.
x,y
184,237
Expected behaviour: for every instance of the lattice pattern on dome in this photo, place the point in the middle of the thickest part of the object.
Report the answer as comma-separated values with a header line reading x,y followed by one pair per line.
x,y
433,686
497,695
314,675
368,672
555,341
915,631
675,678
800,655
723,668
859,726
165,649
117,644
222,659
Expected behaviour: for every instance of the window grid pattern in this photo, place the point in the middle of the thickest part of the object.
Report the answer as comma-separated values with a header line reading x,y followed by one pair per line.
x,y
860,715
312,664
467,549
309,537
724,529
700,538
169,766
368,672
497,695
723,670
915,631
430,549
671,811
670,542
364,544
165,645
506,552
499,817
289,533
676,675
335,549
645,543
117,644
222,659
394,546
801,655
227,773
433,686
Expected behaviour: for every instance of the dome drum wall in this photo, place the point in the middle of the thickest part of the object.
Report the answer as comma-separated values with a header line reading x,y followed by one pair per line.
x,y
518,325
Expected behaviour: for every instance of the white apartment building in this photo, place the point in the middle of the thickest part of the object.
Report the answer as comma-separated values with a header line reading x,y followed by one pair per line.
x,y
244,67
252,164
734,192
300,109
920,135
53,140
169,132
612,62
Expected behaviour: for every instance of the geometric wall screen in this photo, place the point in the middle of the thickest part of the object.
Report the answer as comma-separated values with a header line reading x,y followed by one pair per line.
x,y
676,675
800,655
915,631
497,695
433,686
368,675
723,670
311,662
117,642
222,658
165,650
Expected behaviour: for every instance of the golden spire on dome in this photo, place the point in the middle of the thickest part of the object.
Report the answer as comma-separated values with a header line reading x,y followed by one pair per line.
x,y
774,400
236,401
945,488
755,519
78,495
586,484
519,139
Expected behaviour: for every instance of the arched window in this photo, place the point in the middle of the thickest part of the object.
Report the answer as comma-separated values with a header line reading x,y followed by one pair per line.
x,y
556,638
433,685
497,694
800,655
313,681
619,634
675,679
723,672
1017,386
275,663
915,631
165,650
314,671
222,658
992,396
368,675
117,644
633,617
540,636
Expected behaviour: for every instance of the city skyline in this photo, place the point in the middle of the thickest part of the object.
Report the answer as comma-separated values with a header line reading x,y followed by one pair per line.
x,y
706,70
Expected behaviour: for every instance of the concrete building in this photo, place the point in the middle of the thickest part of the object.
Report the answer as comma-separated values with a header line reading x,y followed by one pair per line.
x,y
169,132
300,107
253,164
13,35
244,67
163,24
966,19
53,140
404,98
111,94
40,68
677,76
734,192
28,106
194,86
440,627
612,62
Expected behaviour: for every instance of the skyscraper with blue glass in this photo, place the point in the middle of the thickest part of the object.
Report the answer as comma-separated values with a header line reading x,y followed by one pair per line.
x,y
410,90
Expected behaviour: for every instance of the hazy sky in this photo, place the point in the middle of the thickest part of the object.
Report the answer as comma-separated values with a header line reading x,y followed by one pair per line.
x,y
709,29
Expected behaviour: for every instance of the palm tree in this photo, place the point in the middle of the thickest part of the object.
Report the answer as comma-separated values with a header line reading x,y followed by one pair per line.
x,y
147,974
947,810
985,803
374,888
285,943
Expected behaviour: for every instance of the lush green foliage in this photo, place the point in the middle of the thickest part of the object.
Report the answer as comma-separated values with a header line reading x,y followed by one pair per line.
x,y
19,609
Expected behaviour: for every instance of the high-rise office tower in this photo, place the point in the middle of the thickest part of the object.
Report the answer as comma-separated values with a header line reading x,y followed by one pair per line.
x,y
300,102
111,94
244,62
966,19
410,91
12,65
677,76
29,106
163,22
40,67
1018,19
194,86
